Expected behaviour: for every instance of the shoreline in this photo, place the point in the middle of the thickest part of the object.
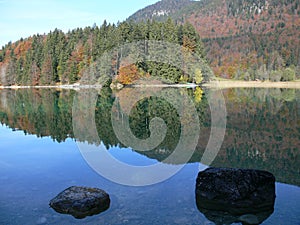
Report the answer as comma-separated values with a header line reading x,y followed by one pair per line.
x,y
222,84
66,86
251,84
166,85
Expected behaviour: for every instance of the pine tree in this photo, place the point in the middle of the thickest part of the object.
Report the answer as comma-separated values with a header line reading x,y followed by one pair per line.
x,y
47,70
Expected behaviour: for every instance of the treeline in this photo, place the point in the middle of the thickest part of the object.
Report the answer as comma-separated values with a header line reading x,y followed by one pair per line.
x,y
250,7
260,36
259,58
242,37
63,58
265,74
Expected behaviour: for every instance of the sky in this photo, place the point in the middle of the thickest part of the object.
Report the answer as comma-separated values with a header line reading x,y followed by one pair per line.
x,y
23,18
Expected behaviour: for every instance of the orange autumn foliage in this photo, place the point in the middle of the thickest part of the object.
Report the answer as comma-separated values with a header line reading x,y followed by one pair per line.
x,y
129,74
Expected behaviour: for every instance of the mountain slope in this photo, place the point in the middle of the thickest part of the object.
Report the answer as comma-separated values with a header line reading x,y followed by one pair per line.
x,y
240,35
160,10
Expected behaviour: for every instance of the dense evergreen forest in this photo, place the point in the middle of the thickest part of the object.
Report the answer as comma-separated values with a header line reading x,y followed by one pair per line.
x,y
63,58
244,39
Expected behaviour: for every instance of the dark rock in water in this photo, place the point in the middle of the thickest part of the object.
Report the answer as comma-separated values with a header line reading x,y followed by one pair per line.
x,y
81,201
237,191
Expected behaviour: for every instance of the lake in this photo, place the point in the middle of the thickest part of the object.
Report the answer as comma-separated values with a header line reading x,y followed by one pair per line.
x,y
53,139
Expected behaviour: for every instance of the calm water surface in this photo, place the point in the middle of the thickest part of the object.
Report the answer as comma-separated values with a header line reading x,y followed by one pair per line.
x,y
39,156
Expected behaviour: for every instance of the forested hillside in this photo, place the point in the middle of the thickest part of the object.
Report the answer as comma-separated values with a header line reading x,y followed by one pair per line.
x,y
161,10
63,58
244,39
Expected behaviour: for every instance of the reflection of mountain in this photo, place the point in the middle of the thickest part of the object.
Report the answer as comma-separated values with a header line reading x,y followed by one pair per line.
x,y
263,126
263,132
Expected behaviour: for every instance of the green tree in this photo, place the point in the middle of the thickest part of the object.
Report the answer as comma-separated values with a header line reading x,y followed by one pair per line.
x,y
288,75
275,75
47,70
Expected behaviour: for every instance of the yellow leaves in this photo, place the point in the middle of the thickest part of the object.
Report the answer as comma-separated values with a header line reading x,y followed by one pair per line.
x,y
183,79
198,76
198,93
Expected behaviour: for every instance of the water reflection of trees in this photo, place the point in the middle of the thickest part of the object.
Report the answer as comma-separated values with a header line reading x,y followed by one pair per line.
x,y
263,126
262,132
42,112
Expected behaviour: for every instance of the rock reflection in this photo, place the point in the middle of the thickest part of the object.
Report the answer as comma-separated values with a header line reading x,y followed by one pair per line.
x,y
227,196
225,218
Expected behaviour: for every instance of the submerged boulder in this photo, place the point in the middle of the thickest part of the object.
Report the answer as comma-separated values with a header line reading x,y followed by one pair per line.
x,y
81,201
237,191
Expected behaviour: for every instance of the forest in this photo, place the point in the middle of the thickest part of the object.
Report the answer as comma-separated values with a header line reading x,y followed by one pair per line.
x,y
64,58
244,39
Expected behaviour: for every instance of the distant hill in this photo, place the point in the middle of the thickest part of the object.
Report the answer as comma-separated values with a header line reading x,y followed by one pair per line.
x,y
240,36
161,10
